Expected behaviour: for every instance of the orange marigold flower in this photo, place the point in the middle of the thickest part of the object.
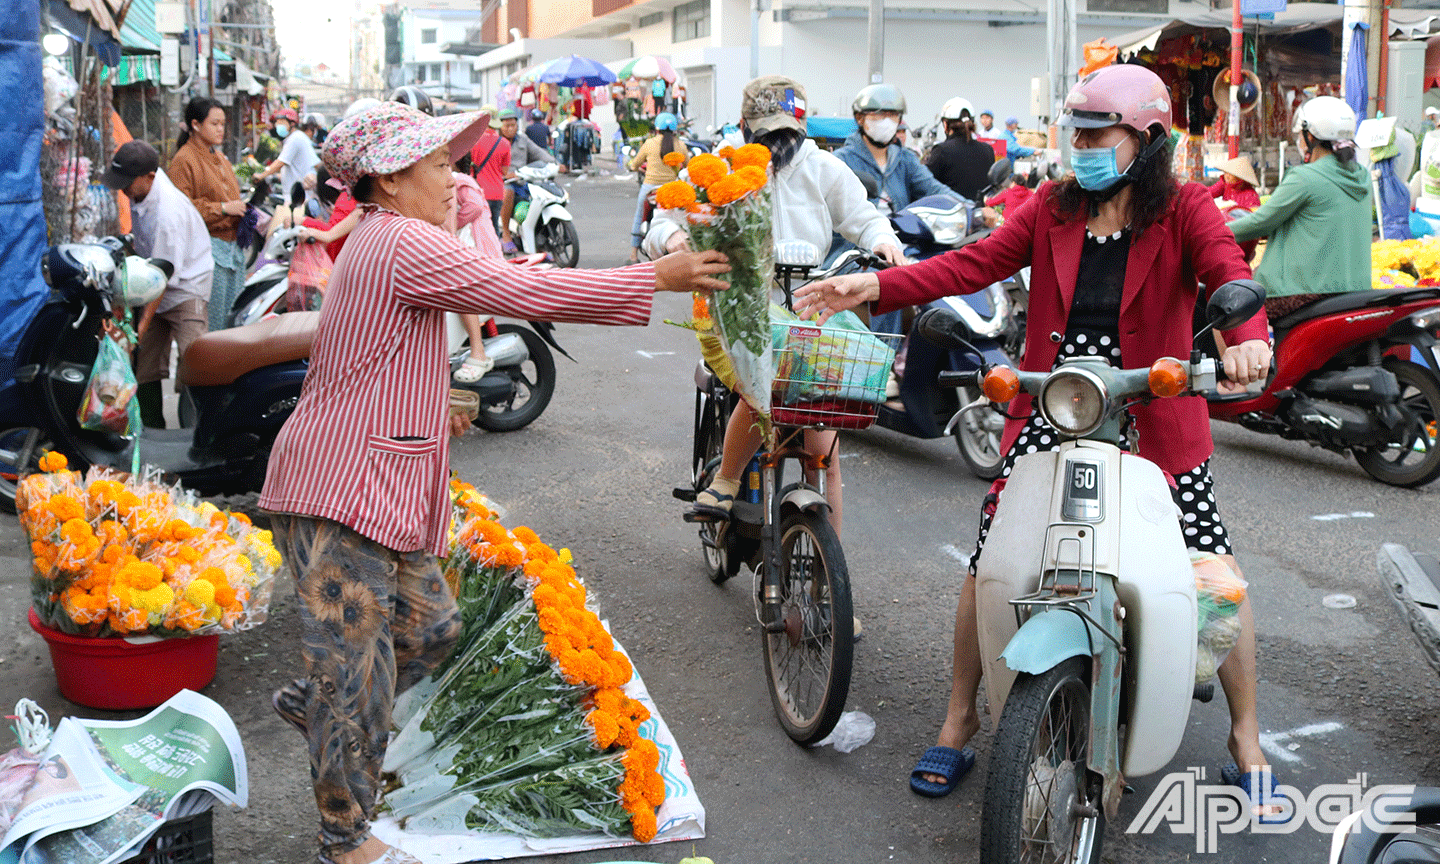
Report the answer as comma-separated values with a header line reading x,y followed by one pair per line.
x,y
642,825
65,507
731,187
751,154
754,176
622,667
725,152
604,727
700,307
675,195
608,699
673,159
569,662
628,736
241,518
53,461
551,621
706,169
654,790
647,753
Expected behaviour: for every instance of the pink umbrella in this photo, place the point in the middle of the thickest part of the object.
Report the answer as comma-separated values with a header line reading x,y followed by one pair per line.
x,y
646,67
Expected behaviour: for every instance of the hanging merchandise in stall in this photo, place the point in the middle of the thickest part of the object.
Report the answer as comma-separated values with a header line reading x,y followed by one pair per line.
x,y
646,86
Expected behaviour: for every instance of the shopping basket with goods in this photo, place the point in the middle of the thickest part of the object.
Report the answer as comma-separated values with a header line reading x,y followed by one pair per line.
x,y
833,375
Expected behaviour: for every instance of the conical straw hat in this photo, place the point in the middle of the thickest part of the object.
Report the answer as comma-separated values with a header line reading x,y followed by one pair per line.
x,y
1239,167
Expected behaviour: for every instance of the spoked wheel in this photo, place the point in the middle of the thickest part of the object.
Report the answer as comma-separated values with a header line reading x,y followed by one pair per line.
x,y
562,241
533,385
16,460
808,662
1041,806
716,545
1414,459
978,435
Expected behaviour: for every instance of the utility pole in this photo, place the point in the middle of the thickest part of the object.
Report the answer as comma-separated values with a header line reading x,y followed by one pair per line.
x,y
1063,55
210,44
876,39
755,38
1237,50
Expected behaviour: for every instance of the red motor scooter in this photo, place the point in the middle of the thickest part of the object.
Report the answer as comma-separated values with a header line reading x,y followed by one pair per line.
x,y
1344,378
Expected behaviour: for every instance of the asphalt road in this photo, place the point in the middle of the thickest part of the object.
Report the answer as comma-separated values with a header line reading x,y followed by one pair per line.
x,y
1343,692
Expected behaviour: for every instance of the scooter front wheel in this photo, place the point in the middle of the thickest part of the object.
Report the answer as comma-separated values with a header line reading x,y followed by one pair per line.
x,y
562,241
1041,803
532,385
807,660
978,436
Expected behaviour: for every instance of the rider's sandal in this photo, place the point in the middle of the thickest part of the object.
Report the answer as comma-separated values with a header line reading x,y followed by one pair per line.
x,y
1268,795
945,762
713,504
473,369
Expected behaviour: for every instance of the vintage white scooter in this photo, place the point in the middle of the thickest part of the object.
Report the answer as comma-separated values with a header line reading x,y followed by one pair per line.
x,y
1085,601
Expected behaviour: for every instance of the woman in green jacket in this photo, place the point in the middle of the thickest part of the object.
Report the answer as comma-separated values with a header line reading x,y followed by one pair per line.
x,y
1318,220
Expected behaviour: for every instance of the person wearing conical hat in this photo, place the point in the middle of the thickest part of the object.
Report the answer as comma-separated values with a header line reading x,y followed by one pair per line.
x,y
1237,184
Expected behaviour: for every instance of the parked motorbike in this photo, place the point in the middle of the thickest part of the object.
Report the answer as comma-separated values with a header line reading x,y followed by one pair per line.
x,y
264,292
244,383
1086,601
541,221
1344,379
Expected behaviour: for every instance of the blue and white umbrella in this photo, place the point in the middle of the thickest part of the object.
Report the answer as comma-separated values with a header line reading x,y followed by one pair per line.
x,y
574,71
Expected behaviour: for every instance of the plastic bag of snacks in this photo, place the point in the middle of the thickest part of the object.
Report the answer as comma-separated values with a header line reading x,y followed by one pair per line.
x,y
116,554
109,403
1218,595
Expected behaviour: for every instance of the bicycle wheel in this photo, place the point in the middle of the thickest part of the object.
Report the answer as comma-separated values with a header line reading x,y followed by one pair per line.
x,y
1040,803
715,542
808,661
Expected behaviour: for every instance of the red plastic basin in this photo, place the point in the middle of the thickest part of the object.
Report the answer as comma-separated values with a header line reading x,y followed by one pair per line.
x,y
116,674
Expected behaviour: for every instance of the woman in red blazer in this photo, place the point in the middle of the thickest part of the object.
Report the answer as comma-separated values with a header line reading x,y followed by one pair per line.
x,y
1116,257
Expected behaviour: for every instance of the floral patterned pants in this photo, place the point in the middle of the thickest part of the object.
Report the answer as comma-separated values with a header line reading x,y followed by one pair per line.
x,y
373,622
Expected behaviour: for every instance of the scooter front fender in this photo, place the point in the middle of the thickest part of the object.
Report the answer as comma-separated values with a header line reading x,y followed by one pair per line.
x,y
556,212
803,500
1046,640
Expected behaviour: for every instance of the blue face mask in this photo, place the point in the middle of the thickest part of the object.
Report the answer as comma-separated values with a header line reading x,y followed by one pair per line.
x,y
1095,168
281,130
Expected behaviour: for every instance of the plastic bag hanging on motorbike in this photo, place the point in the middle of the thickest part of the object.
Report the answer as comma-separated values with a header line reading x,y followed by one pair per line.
x,y
310,267
1219,593
1098,55
109,403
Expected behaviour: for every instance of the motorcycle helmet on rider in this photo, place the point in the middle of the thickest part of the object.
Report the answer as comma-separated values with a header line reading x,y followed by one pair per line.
x,y
364,103
414,97
1126,95
665,120
1324,120
878,109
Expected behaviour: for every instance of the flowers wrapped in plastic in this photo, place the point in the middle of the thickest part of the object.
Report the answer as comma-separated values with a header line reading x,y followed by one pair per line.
x,y
1219,594
117,555
526,728
728,209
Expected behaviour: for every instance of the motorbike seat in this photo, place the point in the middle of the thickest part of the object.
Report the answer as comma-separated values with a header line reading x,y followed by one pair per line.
x,y
218,358
1353,301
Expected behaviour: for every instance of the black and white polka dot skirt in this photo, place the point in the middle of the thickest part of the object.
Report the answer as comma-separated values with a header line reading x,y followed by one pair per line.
x,y
1195,489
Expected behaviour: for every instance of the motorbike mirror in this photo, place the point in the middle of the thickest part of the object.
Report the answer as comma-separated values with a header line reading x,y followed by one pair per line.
x,y
872,186
944,328
796,253
1234,303
1000,171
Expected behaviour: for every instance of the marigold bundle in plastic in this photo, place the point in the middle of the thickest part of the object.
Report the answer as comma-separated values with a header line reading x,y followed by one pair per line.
x,y
1405,263
115,555
526,729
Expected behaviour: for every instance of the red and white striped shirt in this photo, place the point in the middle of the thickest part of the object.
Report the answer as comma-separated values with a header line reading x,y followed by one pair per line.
x,y
368,444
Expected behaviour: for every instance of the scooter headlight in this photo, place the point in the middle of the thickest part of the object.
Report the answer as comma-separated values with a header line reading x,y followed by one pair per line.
x,y
1073,401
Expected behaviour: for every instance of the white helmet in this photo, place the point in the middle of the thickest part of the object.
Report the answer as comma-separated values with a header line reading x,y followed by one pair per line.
x,y
1326,118
141,281
956,108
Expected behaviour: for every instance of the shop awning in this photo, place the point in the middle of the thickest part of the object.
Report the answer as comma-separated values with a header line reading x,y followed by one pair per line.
x,y
138,33
1297,18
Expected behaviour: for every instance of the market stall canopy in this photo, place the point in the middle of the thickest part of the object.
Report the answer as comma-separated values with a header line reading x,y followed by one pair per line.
x,y
1297,18
644,67
78,23
528,75
573,71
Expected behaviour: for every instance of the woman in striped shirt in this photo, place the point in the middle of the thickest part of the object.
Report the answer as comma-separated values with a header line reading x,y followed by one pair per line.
x,y
357,479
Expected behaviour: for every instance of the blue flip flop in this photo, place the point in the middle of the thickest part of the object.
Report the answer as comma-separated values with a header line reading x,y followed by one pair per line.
x,y
1242,780
949,763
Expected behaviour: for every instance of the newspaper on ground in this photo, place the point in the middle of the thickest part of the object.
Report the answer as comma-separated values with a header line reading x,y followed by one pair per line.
x,y
681,817
105,786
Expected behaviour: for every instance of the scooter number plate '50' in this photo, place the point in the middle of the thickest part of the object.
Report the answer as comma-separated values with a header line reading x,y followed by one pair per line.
x,y
1083,501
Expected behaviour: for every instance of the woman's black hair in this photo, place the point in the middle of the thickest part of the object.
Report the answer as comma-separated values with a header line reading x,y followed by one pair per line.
x,y
196,110
1343,151
963,127
1153,180
667,142
465,165
327,194
363,189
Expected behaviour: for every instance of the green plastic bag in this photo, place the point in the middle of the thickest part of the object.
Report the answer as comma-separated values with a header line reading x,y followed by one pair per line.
x,y
109,403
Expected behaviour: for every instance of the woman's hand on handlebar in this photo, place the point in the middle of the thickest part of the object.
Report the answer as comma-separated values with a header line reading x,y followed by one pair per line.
x,y
1244,363
691,271
826,297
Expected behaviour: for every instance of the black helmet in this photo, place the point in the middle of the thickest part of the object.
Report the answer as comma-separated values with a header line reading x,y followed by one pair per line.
x,y
414,97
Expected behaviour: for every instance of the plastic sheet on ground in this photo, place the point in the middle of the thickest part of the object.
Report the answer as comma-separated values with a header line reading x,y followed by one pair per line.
x,y
681,817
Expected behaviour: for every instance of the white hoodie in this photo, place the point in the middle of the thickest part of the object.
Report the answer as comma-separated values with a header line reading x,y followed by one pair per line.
x,y
813,197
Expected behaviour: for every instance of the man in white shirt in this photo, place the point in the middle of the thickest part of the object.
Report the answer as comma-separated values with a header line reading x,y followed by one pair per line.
x,y
166,225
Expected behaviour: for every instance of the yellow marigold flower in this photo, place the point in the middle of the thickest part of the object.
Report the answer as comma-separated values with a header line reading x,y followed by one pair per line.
x,y
731,187
751,154
676,194
753,175
673,159
154,602
706,169
53,461
566,557
200,591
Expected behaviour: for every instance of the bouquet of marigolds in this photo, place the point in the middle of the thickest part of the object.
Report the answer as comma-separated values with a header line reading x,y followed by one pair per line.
x,y
1405,263
526,729
727,206
118,555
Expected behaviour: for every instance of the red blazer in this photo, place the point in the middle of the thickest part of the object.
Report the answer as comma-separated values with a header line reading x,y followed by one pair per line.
x,y
1189,244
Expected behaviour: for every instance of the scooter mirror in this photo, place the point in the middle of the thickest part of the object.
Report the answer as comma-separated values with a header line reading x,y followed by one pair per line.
x,y
1234,303
944,328
1000,171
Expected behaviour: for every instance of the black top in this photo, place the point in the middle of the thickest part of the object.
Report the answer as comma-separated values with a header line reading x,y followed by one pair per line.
x,y
962,165
1100,285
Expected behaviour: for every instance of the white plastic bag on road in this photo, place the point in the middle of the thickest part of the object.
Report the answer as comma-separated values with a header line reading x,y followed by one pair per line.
x,y
854,730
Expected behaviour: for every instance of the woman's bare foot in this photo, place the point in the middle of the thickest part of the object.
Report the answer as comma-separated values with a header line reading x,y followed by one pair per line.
x,y
955,734
1244,747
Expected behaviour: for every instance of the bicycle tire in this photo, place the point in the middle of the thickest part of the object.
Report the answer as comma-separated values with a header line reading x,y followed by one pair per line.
x,y
1023,783
818,633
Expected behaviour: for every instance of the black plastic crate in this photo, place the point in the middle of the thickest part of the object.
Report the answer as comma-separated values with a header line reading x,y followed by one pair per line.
x,y
180,841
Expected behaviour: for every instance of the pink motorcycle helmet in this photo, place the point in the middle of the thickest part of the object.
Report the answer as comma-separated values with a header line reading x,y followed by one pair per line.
x,y
1125,95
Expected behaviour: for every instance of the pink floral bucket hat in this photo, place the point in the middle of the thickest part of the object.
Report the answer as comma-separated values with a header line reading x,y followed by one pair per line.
x,y
391,137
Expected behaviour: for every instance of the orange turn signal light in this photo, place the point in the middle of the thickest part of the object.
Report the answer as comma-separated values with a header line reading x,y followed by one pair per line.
x,y
1168,377
1001,384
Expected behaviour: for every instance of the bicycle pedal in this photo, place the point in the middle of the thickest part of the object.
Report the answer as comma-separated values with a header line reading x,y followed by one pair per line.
x,y
684,493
